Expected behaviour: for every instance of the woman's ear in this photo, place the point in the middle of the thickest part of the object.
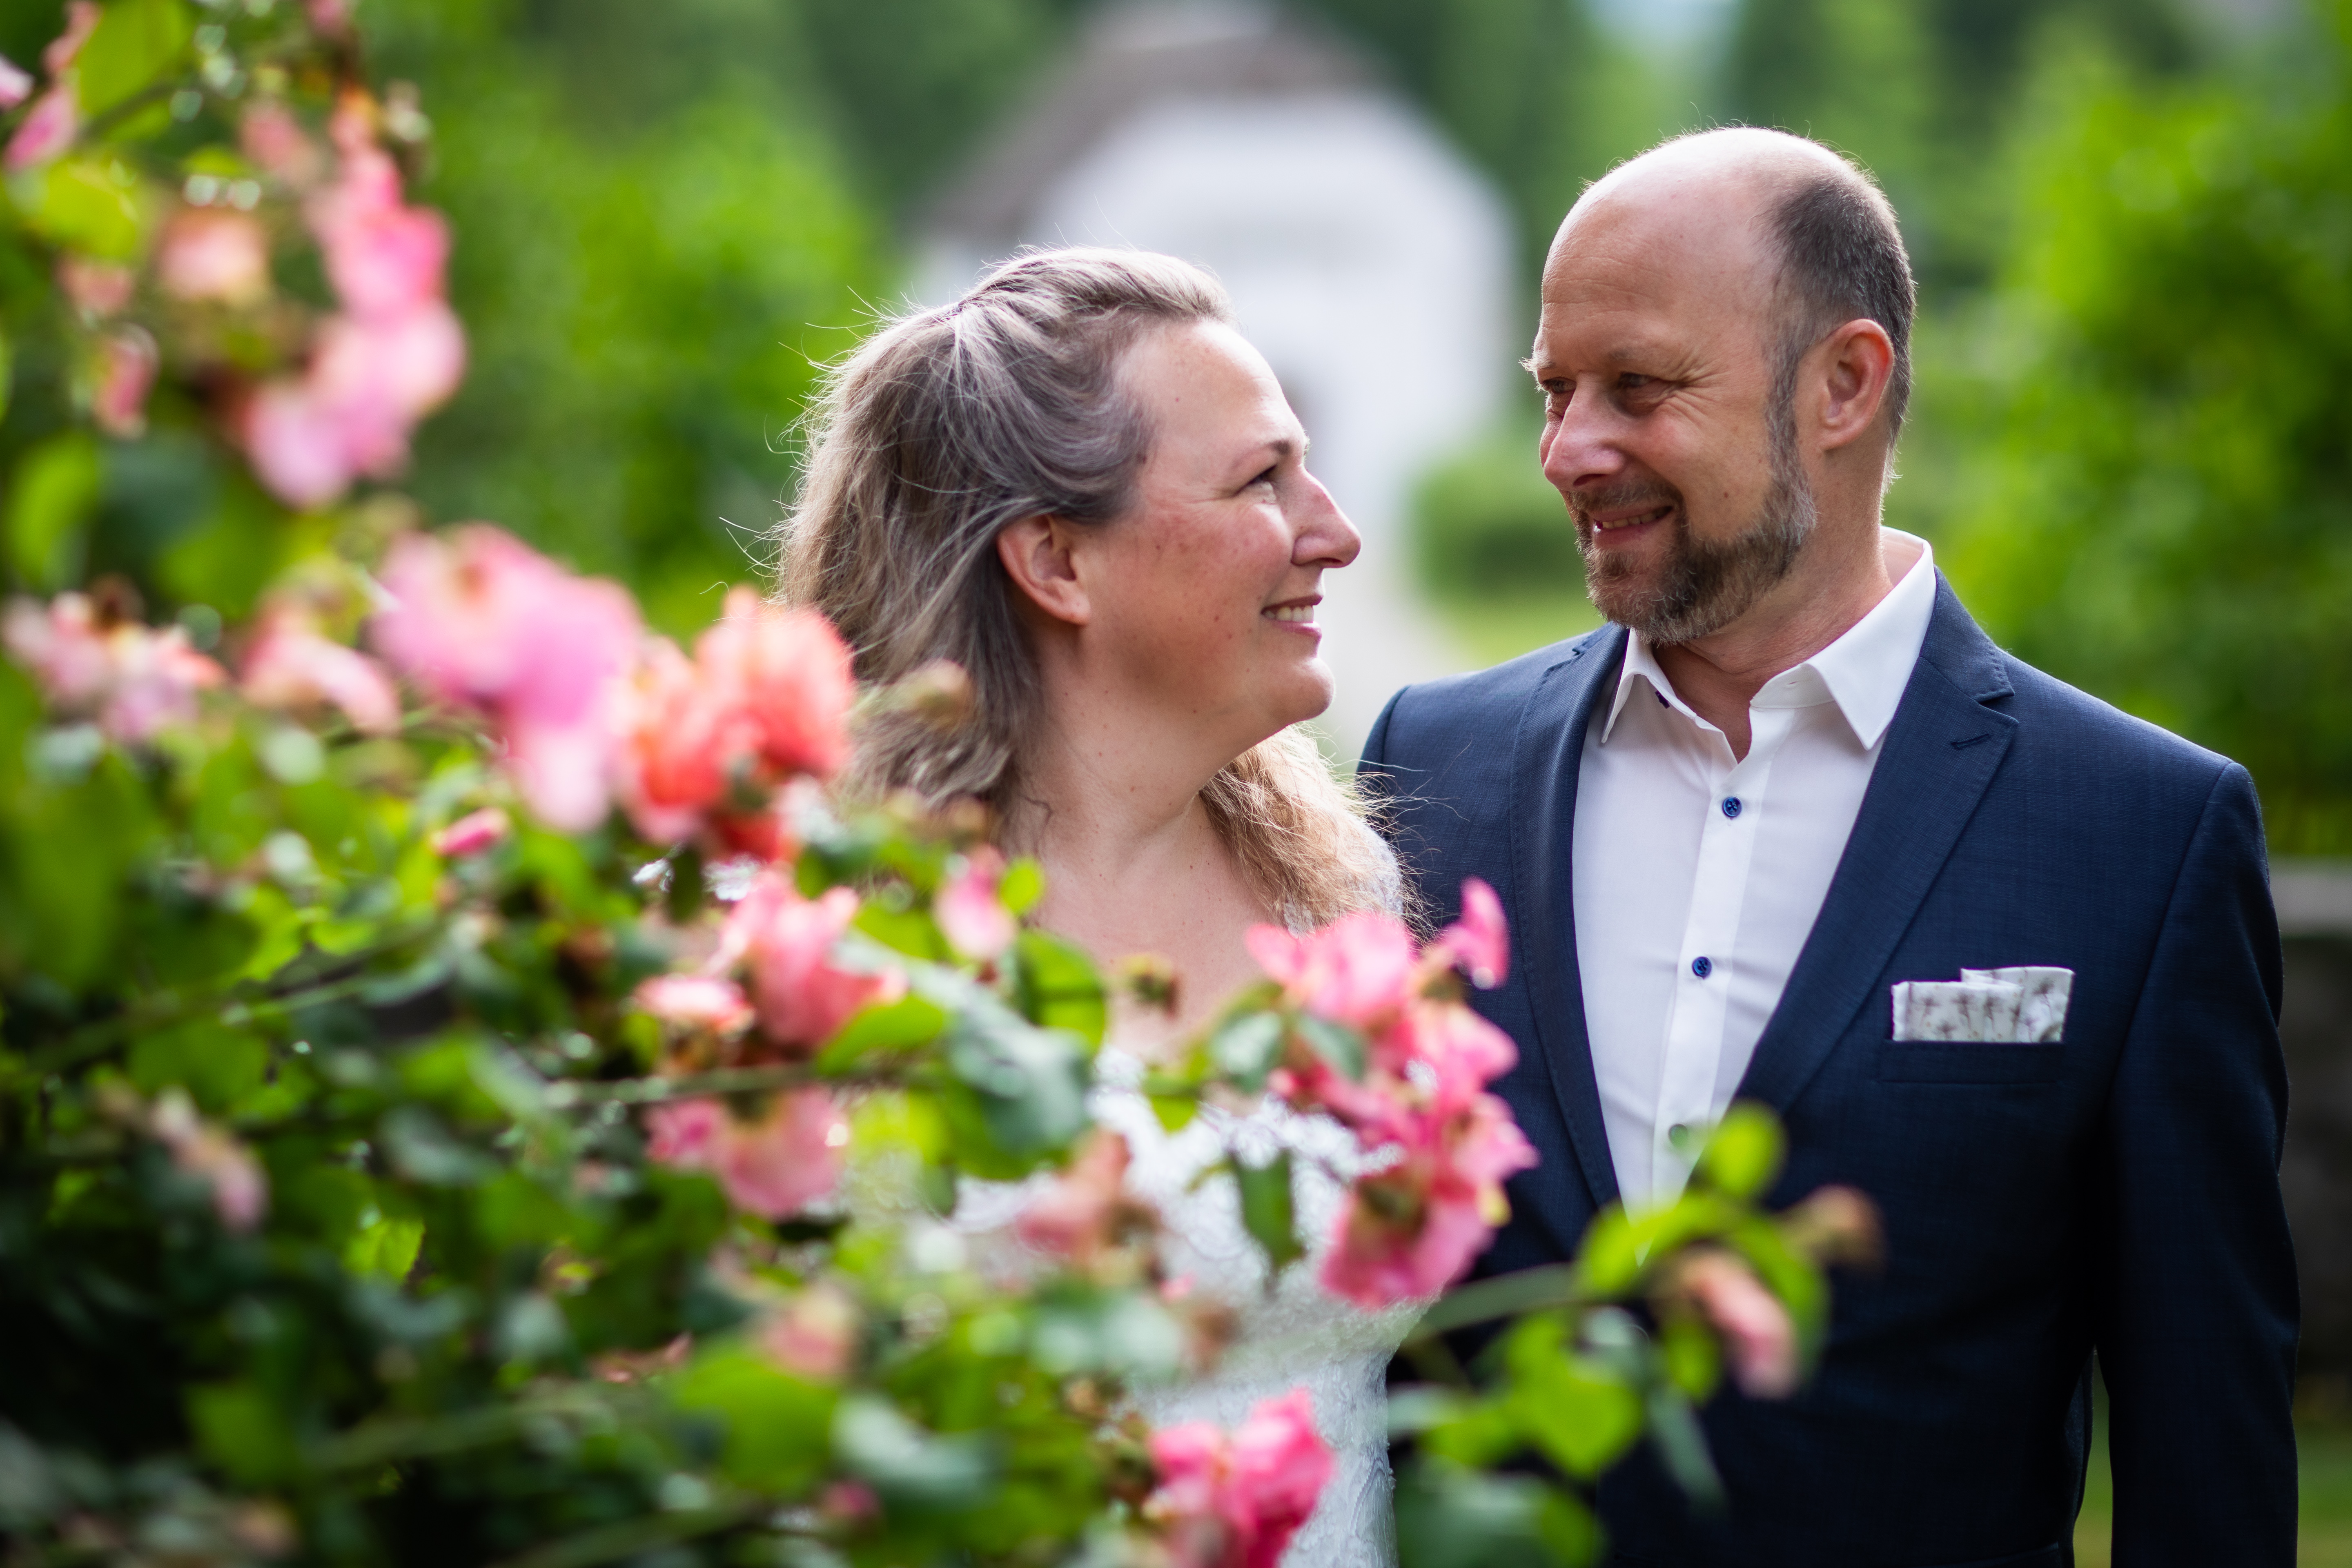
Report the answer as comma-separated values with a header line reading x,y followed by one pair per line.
x,y
1036,551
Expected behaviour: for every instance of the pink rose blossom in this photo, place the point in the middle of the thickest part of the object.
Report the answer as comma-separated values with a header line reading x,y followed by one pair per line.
x,y
15,83
696,1002
480,620
970,914
127,361
240,1190
1078,1213
787,941
815,1334
291,665
133,679
766,698
1235,1503
472,833
1410,1230
207,254
1479,942
775,1166
277,142
771,1167
98,288
82,21
48,130
1758,1337
1356,971
383,258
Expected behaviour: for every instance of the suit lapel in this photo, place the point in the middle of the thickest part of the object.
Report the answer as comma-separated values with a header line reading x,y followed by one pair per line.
x,y
1547,755
1942,750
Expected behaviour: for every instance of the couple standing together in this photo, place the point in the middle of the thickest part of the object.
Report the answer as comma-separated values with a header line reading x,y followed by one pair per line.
x,y
1789,828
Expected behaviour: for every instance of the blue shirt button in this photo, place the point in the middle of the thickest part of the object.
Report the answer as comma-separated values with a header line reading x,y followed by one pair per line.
x,y
1701,967
1731,806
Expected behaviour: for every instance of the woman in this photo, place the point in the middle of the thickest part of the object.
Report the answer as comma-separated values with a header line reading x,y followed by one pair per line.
x,y
1081,485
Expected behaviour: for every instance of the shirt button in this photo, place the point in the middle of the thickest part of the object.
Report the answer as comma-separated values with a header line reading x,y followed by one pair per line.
x,y
1701,967
1731,806
1678,1134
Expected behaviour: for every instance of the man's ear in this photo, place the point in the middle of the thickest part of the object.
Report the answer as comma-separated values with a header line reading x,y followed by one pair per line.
x,y
1036,551
1857,366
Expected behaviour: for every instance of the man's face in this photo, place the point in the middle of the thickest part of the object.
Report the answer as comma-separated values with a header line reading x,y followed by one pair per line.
x,y
1655,352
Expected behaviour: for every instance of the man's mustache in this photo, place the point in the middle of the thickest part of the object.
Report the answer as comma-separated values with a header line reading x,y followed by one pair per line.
x,y
1643,494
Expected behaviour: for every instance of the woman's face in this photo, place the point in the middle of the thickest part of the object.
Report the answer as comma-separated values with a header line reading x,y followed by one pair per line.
x,y
1203,594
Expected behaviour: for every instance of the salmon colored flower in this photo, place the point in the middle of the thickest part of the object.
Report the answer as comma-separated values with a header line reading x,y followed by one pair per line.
x,y
133,679
289,665
696,1002
787,944
481,620
1235,1501
127,362
1758,1340
207,254
969,913
1480,941
1357,971
472,833
771,1167
1408,1231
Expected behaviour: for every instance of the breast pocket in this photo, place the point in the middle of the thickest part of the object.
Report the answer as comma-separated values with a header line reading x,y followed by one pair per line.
x,y
1954,1061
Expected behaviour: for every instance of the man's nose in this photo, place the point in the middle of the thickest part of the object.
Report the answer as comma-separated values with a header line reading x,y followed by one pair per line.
x,y
1324,538
1580,447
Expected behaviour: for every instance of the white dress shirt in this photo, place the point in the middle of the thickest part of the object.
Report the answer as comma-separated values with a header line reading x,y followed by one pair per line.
x,y
1697,877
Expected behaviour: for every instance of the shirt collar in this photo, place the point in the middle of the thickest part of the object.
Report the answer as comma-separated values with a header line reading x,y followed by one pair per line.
x,y
1863,671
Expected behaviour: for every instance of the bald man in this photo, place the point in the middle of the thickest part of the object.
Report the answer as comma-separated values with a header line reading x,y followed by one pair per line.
x,y
1790,829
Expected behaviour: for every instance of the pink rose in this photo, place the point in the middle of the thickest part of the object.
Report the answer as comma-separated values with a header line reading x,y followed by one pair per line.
x,y
776,1165
277,144
815,1334
289,665
1411,1229
207,254
969,913
684,1132
1077,1215
788,673
240,1190
1758,1337
127,361
15,83
472,833
1235,1503
480,620
787,941
133,679
47,131
1356,971
1479,942
696,1002
82,21
383,258
98,288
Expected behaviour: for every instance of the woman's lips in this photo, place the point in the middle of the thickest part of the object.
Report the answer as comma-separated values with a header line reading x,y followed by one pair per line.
x,y
1299,612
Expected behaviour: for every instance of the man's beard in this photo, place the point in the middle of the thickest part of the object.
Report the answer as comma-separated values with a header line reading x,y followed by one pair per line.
x,y
1703,586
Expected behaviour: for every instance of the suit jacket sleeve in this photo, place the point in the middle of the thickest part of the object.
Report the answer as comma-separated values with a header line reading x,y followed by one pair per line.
x,y
2195,1290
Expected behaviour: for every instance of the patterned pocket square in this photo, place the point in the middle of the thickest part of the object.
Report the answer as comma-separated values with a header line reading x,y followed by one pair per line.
x,y
2021,1005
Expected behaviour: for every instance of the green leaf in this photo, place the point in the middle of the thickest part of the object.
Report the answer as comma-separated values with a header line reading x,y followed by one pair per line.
x,y
1023,884
135,42
384,1247
1743,1154
1268,1211
1610,1260
777,1427
1335,1043
1568,1406
54,488
1245,1048
1450,1516
218,1066
1175,1112
1682,1446
1055,987
242,1430
1694,1361
1026,1090
92,204
910,1021
909,1466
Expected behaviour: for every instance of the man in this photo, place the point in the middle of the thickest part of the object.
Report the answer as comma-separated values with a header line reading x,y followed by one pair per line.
x,y
1792,775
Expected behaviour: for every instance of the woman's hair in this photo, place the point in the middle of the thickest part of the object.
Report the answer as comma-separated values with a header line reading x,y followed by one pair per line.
x,y
947,426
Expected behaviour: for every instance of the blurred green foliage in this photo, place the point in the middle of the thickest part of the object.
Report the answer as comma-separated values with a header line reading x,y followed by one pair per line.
x,y
2151,493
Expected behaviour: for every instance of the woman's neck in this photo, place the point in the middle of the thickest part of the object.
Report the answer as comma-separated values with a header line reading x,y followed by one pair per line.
x,y
1133,864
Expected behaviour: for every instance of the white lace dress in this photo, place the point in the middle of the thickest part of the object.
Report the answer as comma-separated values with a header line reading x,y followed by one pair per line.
x,y
1301,1334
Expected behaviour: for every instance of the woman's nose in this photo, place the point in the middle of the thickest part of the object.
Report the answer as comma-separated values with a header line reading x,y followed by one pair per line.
x,y
1325,537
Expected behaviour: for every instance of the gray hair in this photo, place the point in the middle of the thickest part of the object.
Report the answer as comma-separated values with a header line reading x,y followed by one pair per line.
x,y
1841,257
944,427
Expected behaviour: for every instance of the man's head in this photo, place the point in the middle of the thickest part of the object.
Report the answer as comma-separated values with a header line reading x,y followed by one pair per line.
x,y
1725,353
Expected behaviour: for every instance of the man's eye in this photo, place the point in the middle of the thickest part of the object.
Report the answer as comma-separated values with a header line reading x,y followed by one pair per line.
x,y
1266,478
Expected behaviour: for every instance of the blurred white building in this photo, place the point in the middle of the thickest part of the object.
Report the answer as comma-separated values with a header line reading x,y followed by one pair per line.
x,y
1366,258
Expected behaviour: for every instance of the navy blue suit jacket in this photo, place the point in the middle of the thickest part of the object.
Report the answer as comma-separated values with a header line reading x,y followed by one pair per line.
x,y
2116,1191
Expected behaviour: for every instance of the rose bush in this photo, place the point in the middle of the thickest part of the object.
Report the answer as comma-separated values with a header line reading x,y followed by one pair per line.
x,y
473,1088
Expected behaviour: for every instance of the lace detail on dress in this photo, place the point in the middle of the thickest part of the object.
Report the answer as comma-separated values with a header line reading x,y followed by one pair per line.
x,y
1299,1335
